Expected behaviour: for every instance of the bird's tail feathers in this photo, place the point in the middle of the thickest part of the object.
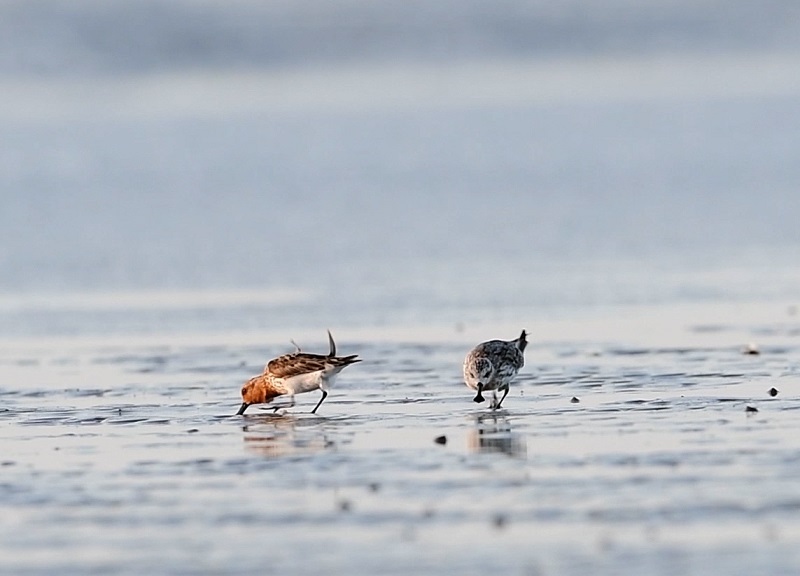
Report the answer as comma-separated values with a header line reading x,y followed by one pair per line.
x,y
347,360
522,341
332,353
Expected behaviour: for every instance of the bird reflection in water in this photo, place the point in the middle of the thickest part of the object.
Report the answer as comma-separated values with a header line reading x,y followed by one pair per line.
x,y
492,433
276,437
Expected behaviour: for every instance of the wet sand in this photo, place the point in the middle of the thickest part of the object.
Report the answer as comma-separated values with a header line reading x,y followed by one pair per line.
x,y
633,452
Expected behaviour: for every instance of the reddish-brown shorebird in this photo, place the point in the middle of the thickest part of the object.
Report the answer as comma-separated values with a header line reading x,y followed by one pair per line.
x,y
295,373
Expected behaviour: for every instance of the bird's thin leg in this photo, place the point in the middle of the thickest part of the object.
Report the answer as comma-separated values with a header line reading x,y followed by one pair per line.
x,y
281,406
505,393
479,396
324,395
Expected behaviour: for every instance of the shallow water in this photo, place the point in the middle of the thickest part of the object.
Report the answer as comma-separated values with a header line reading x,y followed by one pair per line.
x,y
635,455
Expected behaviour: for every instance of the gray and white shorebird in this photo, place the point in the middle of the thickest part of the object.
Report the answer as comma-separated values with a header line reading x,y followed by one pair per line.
x,y
295,373
492,366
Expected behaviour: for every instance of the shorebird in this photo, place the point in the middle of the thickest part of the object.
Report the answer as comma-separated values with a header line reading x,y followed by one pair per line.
x,y
492,365
295,373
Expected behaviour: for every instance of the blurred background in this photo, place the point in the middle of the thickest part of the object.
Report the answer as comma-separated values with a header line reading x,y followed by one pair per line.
x,y
213,164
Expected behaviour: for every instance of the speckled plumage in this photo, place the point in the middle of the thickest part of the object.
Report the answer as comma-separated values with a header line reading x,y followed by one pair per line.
x,y
492,365
295,373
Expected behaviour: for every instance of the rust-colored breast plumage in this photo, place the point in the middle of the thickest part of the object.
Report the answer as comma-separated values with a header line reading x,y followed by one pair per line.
x,y
260,389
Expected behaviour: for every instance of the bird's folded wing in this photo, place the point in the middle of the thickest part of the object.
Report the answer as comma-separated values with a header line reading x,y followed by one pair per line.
x,y
296,364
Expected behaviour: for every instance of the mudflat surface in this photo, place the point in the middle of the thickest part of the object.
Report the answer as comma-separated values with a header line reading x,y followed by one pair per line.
x,y
606,457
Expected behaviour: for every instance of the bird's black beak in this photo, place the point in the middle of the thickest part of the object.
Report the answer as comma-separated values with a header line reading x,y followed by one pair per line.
x,y
242,409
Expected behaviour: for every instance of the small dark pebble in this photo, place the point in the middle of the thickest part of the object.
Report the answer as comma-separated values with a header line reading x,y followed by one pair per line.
x,y
773,391
345,505
751,409
440,440
374,486
752,349
575,400
193,430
